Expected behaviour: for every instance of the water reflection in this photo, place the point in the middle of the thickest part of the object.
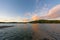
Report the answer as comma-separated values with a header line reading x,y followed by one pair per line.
x,y
25,27
40,34
35,27
37,34
38,31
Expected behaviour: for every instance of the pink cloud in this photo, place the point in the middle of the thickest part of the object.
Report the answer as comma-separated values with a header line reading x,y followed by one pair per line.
x,y
54,12
25,20
35,17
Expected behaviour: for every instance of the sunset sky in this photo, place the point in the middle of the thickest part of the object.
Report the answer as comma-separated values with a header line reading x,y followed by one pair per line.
x,y
28,10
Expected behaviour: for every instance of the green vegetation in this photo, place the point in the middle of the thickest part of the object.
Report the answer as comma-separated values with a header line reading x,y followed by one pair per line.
x,y
36,21
45,21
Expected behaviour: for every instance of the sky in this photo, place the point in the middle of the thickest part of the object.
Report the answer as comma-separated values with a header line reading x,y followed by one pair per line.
x,y
28,10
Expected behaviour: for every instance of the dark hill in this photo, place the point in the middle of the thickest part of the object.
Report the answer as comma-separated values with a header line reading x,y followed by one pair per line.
x,y
45,21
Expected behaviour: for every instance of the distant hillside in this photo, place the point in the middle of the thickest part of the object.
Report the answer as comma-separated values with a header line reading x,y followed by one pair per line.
x,y
45,21
14,22
36,21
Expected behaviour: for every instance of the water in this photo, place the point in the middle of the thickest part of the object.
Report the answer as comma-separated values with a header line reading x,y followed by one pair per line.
x,y
30,32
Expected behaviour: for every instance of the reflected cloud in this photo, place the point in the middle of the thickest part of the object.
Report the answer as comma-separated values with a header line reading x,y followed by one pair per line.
x,y
35,27
25,27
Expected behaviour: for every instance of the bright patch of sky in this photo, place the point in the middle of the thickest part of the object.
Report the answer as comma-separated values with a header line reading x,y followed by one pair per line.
x,y
22,9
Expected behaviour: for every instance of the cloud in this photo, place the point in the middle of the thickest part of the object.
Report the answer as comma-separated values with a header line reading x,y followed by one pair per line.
x,y
54,12
25,20
38,12
7,20
27,14
35,17
12,19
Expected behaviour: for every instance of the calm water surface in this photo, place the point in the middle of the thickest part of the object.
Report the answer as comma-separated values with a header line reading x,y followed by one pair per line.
x,y
30,32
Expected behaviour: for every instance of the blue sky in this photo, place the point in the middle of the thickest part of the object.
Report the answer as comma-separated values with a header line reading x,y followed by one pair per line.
x,y
19,8
16,7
